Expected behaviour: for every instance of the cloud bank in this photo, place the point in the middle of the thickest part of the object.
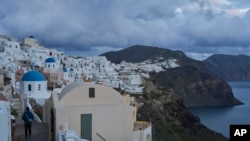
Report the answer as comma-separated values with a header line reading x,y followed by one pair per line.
x,y
195,26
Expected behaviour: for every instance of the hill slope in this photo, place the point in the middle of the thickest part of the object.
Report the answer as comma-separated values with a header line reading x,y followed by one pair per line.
x,y
196,88
139,53
167,93
229,67
170,118
192,82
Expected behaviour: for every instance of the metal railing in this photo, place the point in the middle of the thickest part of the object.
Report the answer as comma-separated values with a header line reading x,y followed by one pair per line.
x,y
101,137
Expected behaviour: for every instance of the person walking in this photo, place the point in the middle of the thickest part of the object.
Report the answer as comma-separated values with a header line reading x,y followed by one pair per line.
x,y
27,118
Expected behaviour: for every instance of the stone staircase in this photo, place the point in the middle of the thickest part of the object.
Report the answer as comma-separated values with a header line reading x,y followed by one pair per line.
x,y
17,105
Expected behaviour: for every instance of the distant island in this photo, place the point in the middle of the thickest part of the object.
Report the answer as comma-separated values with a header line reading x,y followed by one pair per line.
x,y
229,67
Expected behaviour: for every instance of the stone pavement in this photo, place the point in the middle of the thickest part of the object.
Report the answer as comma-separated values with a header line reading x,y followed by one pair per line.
x,y
40,132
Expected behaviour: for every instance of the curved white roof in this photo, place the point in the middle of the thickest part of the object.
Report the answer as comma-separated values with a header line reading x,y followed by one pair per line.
x,y
78,94
68,88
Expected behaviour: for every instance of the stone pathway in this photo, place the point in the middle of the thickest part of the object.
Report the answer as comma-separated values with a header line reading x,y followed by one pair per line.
x,y
40,132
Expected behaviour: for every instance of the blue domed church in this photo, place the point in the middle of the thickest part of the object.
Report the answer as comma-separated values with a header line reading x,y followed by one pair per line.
x,y
34,85
51,64
53,73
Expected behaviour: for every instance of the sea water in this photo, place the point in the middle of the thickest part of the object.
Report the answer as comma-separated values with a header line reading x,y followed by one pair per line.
x,y
220,118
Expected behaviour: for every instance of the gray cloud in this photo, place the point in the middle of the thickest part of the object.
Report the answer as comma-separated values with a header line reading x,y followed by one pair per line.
x,y
201,26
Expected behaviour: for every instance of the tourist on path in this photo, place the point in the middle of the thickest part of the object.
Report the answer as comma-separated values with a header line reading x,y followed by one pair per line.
x,y
27,118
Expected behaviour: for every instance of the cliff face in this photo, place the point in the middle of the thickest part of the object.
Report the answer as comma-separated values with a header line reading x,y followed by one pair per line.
x,y
167,93
192,82
229,67
195,87
171,120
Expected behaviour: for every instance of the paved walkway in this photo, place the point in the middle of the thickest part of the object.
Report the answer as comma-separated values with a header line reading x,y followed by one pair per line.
x,y
40,132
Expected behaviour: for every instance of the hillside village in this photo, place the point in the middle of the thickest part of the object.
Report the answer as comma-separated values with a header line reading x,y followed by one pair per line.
x,y
79,96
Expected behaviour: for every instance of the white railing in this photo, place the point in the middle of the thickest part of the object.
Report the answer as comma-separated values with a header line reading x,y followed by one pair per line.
x,y
36,117
68,135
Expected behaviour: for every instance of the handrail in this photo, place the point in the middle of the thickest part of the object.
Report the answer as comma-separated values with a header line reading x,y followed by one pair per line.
x,y
101,137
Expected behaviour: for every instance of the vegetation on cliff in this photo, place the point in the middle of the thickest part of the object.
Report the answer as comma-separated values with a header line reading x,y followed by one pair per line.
x,y
192,81
195,87
171,121
168,93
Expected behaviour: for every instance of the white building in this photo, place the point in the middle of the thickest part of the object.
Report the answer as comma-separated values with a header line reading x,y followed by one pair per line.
x,y
5,130
51,65
31,42
65,73
33,85
107,107
93,111
12,46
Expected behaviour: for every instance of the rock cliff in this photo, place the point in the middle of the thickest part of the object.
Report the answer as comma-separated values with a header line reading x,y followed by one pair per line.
x,y
229,67
171,120
192,81
195,87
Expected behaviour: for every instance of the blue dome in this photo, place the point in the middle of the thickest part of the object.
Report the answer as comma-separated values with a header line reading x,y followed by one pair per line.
x,y
64,69
50,60
33,76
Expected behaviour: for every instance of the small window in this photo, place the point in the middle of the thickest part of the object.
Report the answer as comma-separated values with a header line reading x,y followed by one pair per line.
x,y
29,87
39,87
91,92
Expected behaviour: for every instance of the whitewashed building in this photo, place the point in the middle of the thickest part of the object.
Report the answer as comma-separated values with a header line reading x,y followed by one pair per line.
x,y
5,122
34,85
90,110
51,65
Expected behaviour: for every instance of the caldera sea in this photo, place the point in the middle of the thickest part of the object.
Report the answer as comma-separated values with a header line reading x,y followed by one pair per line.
x,y
220,118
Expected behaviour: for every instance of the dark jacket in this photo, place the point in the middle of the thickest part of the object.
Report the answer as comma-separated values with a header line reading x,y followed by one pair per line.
x,y
26,116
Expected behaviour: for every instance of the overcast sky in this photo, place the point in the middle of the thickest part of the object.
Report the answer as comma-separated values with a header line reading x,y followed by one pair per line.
x,y
90,27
